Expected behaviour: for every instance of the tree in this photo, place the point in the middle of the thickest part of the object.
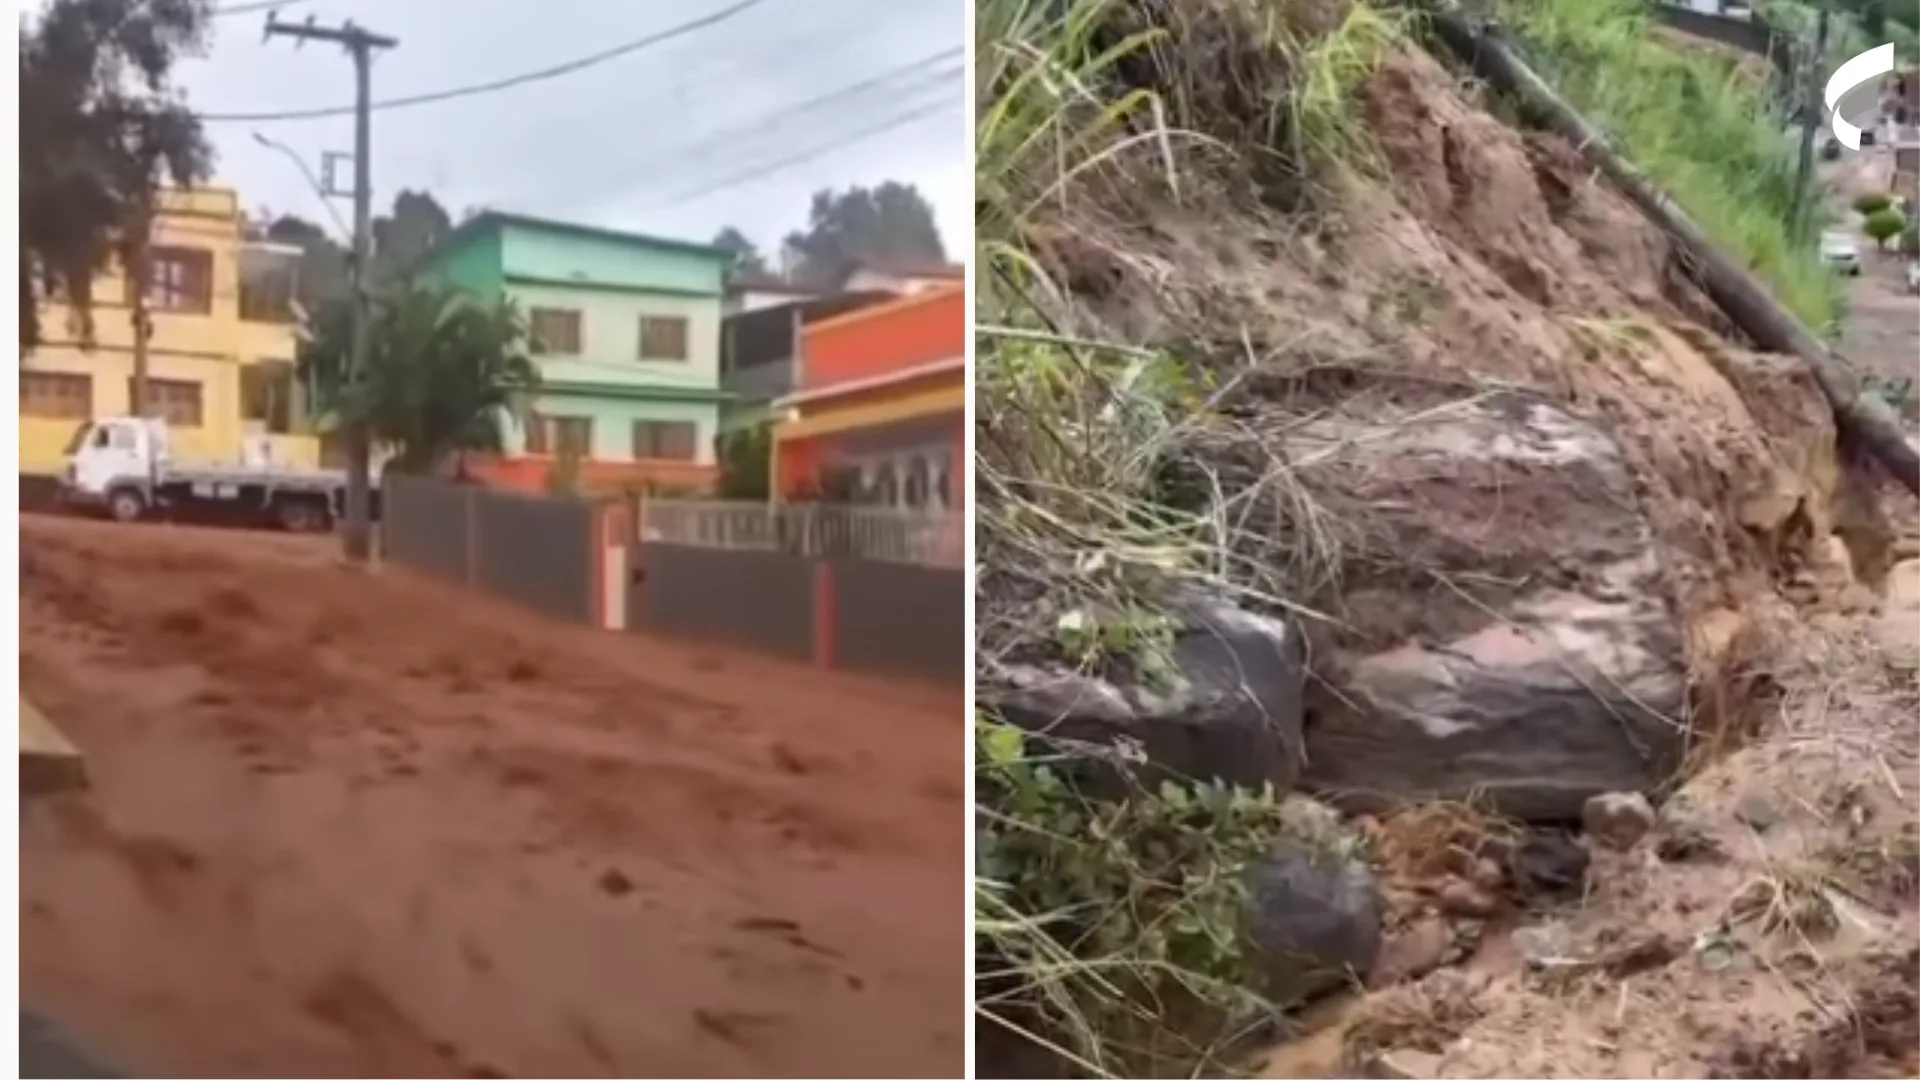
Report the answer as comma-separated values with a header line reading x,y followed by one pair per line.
x,y
102,128
443,371
746,254
892,222
746,463
400,238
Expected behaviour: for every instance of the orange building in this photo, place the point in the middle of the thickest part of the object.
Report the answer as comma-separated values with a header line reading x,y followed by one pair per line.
x,y
878,415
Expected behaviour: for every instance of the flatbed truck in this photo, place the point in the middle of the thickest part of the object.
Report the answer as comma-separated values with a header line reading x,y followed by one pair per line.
x,y
123,467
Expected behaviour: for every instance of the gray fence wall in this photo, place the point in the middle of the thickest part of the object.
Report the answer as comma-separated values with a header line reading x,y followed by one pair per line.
x,y
530,549
878,617
424,523
900,618
760,598
538,552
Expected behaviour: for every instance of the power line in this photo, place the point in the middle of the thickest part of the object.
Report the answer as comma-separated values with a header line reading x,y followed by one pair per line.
x,y
256,5
732,137
747,176
567,68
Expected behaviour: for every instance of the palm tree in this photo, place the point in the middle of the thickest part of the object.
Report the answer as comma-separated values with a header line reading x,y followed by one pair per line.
x,y
444,370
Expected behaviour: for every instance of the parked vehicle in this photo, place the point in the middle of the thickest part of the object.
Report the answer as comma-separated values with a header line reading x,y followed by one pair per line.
x,y
124,467
1840,251
1913,276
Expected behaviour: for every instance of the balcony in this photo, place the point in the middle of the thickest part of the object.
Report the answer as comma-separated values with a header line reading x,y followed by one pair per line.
x,y
760,349
270,283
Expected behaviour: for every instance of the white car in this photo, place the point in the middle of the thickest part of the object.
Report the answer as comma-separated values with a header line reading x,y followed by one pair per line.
x,y
1913,276
1839,251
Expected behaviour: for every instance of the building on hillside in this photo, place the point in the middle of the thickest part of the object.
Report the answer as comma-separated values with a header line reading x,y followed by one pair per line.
x,y
753,291
760,350
878,414
626,332
902,278
220,350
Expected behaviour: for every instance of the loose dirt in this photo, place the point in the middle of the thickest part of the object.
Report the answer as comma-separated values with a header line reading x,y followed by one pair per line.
x,y
357,823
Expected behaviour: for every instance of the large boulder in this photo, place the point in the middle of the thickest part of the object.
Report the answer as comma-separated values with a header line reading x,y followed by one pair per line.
x,y
1507,632
1316,909
1232,711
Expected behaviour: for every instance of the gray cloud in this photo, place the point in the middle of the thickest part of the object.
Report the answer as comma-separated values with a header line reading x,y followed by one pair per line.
x,y
664,140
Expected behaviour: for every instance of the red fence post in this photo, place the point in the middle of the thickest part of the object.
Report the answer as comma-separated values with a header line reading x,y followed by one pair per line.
x,y
826,616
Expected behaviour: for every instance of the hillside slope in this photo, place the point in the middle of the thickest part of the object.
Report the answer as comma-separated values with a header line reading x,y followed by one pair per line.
x,y
1551,528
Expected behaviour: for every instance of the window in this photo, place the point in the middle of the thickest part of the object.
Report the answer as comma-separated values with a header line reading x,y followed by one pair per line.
x,y
56,396
174,400
555,332
665,440
663,338
266,394
180,279
560,435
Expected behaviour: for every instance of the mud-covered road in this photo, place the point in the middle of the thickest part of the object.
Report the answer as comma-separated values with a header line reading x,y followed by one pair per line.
x,y
361,824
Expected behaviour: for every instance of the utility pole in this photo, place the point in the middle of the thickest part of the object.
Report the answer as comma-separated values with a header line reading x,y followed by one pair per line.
x,y
356,538
1814,113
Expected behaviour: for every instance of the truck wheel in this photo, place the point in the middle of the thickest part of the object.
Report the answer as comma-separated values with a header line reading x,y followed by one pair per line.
x,y
303,515
126,504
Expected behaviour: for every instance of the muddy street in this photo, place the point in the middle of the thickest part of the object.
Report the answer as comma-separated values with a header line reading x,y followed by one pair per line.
x,y
362,824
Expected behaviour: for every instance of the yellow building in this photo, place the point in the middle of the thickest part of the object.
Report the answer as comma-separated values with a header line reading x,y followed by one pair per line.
x,y
220,357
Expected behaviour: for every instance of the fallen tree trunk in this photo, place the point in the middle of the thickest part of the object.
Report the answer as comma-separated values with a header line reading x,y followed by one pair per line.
x,y
1867,420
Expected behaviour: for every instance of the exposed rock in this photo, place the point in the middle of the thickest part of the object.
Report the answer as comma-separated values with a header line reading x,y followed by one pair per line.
x,y
1756,812
1317,912
1617,819
1403,1065
1523,650
1903,586
1233,713
1548,864
1415,949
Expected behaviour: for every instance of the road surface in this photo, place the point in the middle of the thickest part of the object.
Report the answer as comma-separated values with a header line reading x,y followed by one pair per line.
x,y
356,823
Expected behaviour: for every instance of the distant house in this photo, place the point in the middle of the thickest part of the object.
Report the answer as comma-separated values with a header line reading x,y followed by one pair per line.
x,y
903,278
626,331
760,352
878,414
754,291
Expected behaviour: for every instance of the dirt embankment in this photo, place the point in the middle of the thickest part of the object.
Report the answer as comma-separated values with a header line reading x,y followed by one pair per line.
x,y
1762,929
359,824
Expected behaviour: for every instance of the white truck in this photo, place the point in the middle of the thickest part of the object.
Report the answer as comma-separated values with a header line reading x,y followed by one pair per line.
x,y
124,467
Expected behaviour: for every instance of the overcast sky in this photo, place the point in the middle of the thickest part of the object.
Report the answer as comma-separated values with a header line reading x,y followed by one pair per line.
x,y
663,140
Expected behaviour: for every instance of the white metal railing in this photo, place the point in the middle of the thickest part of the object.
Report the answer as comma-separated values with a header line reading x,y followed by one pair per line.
x,y
812,529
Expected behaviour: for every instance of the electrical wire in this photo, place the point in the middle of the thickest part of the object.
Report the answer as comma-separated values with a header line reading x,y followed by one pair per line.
x,y
567,68
747,176
255,5
732,138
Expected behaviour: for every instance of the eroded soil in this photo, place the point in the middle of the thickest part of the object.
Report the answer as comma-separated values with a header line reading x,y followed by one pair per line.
x,y
357,823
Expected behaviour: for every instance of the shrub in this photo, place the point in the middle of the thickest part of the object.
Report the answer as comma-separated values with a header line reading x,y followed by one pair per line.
x,y
1114,933
1883,225
1872,203
1910,240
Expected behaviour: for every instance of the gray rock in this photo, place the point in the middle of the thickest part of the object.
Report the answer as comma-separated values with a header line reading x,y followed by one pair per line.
x,y
1233,714
1317,910
1617,819
1512,638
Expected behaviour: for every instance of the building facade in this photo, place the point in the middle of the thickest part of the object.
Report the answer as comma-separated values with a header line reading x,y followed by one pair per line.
x,y
878,415
626,332
220,354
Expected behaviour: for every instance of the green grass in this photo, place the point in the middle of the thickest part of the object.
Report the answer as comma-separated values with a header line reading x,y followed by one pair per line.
x,y
1696,126
1100,952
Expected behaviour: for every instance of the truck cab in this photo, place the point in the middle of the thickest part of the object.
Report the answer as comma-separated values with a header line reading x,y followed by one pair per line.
x,y
115,464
